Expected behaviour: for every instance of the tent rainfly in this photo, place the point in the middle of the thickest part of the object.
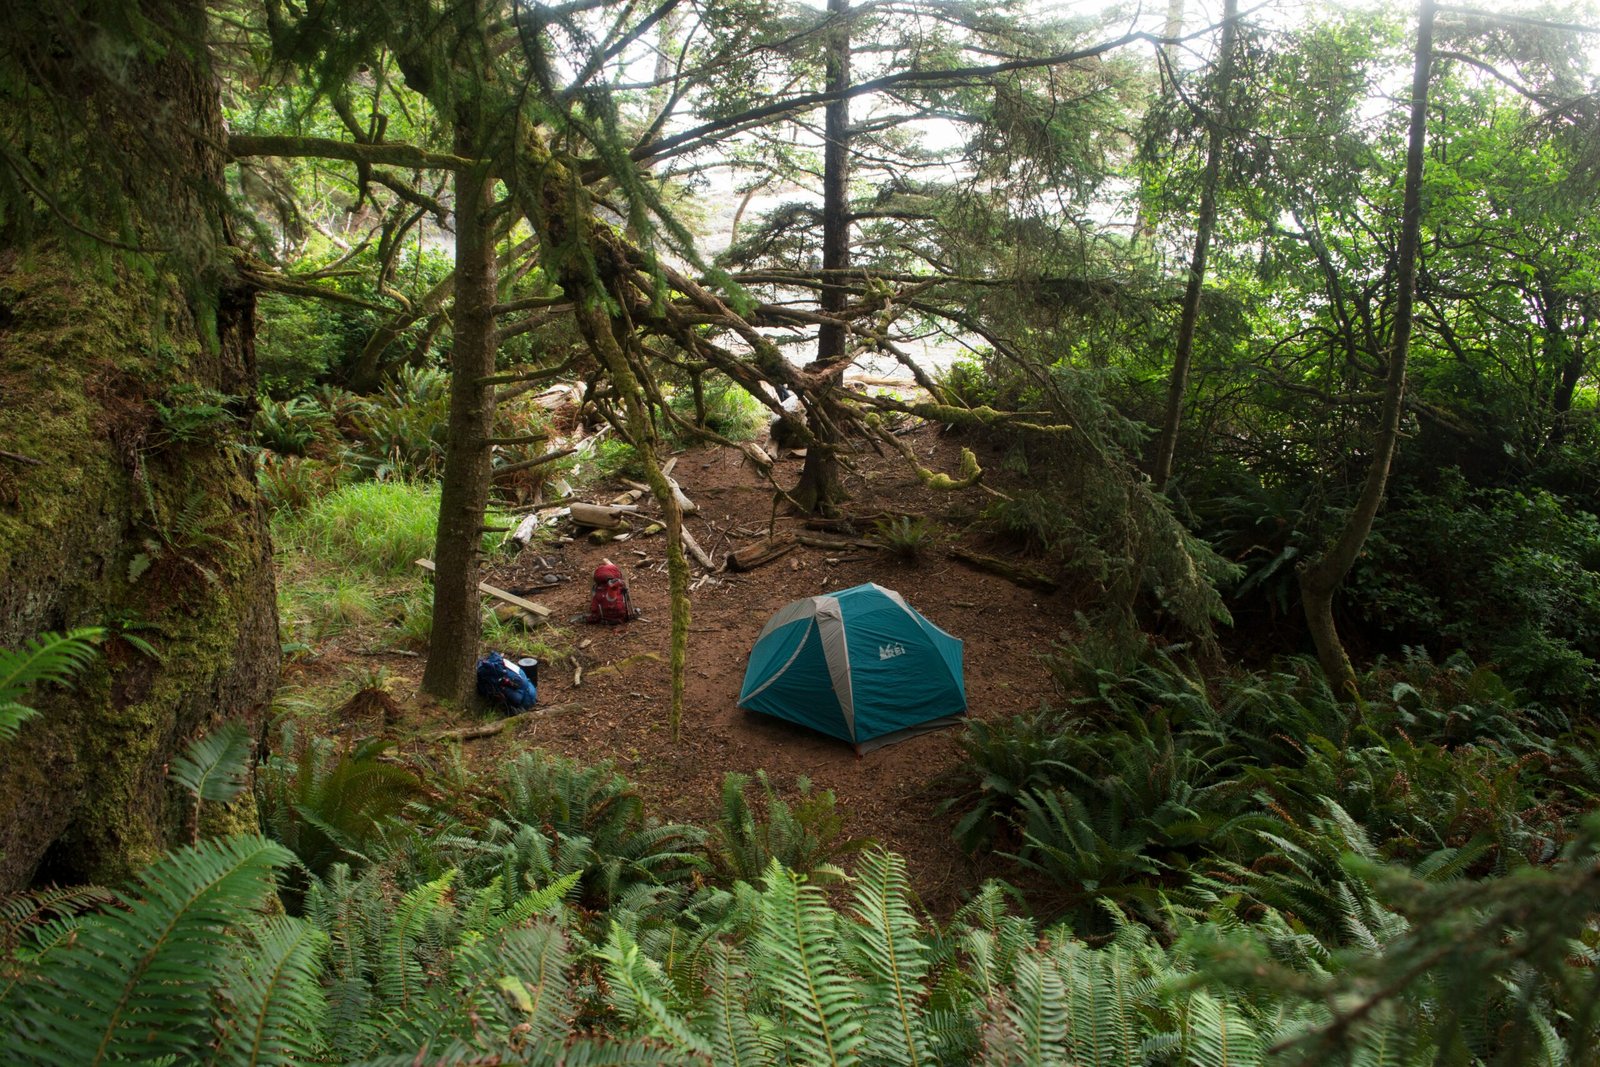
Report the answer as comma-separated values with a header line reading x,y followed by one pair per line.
x,y
860,664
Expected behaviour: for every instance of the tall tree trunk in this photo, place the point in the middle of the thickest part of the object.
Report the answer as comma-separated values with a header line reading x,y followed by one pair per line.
x,y
819,487
1321,579
1178,384
1563,354
123,522
464,496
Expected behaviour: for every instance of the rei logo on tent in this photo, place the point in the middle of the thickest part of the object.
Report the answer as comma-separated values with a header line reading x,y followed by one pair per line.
x,y
891,651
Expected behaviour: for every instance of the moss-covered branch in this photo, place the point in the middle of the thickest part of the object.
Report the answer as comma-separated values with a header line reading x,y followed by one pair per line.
x,y
401,155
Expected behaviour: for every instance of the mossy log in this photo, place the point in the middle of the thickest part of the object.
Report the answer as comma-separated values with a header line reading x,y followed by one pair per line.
x,y
1011,572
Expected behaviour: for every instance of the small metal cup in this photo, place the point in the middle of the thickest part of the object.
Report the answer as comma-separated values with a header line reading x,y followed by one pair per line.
x,y
530,667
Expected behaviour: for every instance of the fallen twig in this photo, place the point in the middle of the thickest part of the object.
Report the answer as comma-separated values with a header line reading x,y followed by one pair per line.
x,y
489,729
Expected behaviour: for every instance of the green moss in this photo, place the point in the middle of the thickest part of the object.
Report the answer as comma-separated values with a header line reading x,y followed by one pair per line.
x,y
80,361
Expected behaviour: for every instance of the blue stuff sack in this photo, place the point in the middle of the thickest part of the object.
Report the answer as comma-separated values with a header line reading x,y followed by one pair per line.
x,y
504,685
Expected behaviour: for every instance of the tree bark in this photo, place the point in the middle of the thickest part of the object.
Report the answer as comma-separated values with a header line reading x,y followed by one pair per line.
x,y
92,341
464,495
819,488
1321,579
1178,384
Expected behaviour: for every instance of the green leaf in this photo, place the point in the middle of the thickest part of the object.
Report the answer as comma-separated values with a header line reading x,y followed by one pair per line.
x,y
49,659
214,767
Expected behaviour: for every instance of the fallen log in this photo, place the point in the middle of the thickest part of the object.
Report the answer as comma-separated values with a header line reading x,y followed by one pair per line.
x,y
1011,572
499,594
748,559
489,729
813,541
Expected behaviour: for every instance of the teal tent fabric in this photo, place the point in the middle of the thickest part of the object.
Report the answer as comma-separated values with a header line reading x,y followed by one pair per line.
x,y
860,664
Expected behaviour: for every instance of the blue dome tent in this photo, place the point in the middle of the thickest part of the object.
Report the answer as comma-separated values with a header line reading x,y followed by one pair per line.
x,y
860,664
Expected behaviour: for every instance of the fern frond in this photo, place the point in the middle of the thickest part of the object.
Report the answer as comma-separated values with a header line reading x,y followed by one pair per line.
x,y
401,977
795,957
635,991
47,659
136,983
1106,994
1038,1013
213,767
885,950
276,1004
534,979
735,1030
569,1052
1214,1034
537,902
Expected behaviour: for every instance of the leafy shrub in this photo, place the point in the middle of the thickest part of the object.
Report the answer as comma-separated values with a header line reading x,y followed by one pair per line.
x,y
300,342
613,459
907,536
291,427
328,806
968,382
807,839
1511,576
597,807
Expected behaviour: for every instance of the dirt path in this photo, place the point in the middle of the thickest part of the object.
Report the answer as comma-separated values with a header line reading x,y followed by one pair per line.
x,y
890,795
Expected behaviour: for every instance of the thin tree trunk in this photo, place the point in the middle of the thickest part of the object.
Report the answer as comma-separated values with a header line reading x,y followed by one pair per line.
x,y
1321,579
457,623
1178,384
819,487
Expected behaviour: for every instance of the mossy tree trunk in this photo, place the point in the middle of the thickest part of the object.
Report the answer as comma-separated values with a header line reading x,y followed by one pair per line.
x,y
464,497
126,375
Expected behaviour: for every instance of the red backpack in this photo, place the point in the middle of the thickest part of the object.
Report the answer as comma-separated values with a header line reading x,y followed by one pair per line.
x,y
609,602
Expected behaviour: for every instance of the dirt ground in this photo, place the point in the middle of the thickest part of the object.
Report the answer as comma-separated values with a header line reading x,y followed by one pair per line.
x,y
890,795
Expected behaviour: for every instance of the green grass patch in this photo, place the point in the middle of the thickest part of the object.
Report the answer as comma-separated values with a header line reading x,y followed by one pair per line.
x,y
375,529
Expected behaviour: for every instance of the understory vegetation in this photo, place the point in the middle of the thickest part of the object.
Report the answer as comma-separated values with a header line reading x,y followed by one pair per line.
x,y
1252,872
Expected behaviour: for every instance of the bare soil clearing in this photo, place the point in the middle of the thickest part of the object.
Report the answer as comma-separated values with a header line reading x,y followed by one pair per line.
x,y
622,701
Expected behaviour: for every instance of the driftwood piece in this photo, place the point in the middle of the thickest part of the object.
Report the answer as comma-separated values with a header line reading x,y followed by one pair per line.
x,y
499,594
523,534
695,550
1011,572
489,729
813,541
601,516
685,505
753,556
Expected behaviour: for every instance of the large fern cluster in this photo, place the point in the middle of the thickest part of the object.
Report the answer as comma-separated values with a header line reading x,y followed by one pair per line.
x,y
1153,782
